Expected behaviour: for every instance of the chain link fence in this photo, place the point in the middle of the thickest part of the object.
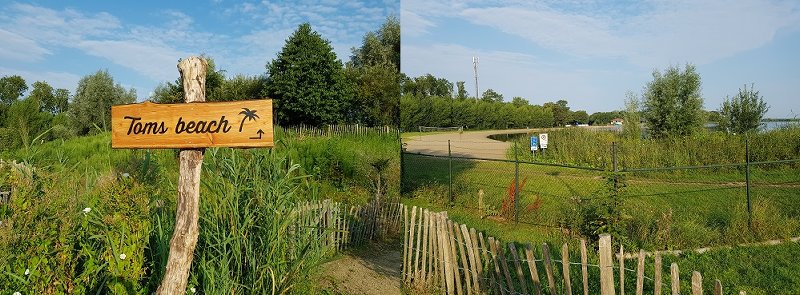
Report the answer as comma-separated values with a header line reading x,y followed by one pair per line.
x,y
676,207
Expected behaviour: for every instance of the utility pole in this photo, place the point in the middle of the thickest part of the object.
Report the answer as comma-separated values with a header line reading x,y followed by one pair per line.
x,y
475,68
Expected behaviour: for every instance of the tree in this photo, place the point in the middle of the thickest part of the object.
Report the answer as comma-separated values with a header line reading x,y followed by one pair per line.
x,y
491,95
743,112
631,126
307,82
48,99
240,87
427,86
11,89
93,99
580,117
672,102
375,70
519,101
461,92
561,112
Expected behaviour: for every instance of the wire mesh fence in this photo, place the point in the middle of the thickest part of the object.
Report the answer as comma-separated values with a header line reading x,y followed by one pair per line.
x,y
684,206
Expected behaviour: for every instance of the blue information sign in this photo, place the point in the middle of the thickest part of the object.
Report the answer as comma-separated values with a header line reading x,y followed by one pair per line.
x,y
534,143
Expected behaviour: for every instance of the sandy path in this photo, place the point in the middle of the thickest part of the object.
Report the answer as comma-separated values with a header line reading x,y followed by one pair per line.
x,y
473,144
373,270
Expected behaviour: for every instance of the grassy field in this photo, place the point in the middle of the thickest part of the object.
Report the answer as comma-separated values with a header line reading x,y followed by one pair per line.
x,y
84,218
651,210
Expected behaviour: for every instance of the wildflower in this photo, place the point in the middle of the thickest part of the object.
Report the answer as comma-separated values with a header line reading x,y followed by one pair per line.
x,y
122,256
125,174
17,293
27,271
86,210
193,290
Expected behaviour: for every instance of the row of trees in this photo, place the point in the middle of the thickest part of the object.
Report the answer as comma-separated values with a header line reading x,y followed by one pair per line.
x,y
310,86
670,105
421,94
47,113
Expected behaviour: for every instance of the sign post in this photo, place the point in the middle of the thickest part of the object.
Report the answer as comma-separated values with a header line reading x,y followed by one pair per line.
x,y
191,126
543,142
534,144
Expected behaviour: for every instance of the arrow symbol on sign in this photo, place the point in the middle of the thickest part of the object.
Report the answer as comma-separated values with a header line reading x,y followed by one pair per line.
x,y
260,132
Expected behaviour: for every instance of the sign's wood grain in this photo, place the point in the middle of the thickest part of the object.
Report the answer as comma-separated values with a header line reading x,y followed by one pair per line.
x,y
192,125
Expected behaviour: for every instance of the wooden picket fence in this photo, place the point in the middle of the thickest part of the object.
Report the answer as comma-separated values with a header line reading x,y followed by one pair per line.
x,y
339,226
441,256
334,130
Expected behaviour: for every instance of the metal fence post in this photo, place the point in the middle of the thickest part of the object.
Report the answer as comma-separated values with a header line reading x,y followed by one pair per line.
x,y
516,184
747,183
449,173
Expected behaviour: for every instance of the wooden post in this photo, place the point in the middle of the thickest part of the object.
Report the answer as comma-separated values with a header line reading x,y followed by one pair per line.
x,y
518,267
676,281
548,269
640,274
422,252
409,234
606,265
501,254
453,255
657,275
697,283
485,253
537,285
621,270
584,267
184,238
461,250
498,276
717,287
471,253
565,269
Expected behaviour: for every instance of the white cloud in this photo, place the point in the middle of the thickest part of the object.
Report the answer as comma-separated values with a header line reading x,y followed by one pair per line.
x,y
413,24
148,60
16,47
650,34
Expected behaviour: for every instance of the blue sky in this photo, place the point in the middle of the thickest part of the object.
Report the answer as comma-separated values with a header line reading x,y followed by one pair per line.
x,y
140,42
592,52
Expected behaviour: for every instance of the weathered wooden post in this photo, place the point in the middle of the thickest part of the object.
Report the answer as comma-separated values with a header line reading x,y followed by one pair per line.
x,y
190,126
184,238
606,265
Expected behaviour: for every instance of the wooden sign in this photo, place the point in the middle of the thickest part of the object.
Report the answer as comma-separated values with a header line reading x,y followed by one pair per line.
x,y
192,125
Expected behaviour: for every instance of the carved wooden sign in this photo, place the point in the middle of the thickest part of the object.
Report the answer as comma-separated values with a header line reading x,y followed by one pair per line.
x,y
192,125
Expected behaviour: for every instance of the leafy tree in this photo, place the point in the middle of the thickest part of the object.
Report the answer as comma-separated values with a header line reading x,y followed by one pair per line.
x,y
519,101
631,125
374,67
580,116
461,92
240,87
603,118
490,95
743,112
307,82
427,86
95,95
11,89
561,112
672,102
50,100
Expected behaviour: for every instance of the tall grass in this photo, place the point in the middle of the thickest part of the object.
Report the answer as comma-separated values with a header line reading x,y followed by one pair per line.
x,y
247,196
584,147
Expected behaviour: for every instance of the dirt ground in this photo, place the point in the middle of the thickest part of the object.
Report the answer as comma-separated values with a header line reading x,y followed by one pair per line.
x,y
473,144
372,270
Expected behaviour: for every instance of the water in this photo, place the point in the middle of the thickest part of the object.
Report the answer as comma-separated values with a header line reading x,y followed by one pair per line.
x,y
507,137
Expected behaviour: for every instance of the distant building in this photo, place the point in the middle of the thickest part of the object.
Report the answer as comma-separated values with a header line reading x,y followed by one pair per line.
x,y
616,121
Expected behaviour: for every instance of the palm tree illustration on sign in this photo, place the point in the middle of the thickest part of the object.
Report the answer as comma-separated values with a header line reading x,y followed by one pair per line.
x,y
248,115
